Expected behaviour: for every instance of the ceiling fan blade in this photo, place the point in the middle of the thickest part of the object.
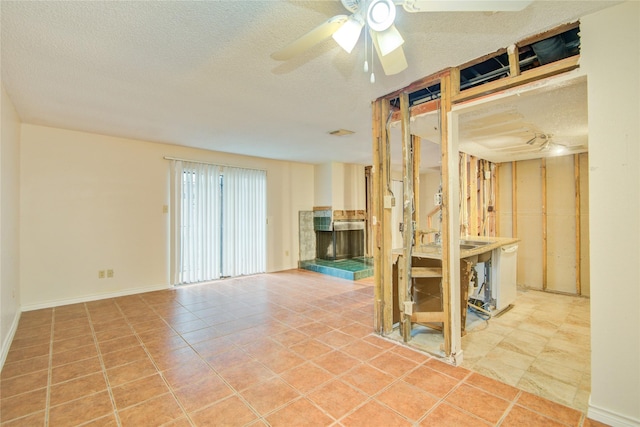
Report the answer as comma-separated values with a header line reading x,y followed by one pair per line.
x,y
394,61
312,38
465,5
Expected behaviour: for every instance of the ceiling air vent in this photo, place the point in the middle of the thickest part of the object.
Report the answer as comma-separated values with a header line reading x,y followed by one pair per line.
x,y
341,132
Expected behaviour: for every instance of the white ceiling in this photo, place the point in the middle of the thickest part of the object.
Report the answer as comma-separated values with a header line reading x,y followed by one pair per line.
x,y
200,74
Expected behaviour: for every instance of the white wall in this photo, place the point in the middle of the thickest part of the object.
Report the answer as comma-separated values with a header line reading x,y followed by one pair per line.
x,y
9,220
610,46
340,185
92,202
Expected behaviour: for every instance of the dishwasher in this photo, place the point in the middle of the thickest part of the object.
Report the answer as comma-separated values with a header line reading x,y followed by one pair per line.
x,y
505,268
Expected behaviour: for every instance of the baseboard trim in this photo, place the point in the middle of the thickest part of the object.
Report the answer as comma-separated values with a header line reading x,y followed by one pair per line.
x,y
610,418
6,344
93,297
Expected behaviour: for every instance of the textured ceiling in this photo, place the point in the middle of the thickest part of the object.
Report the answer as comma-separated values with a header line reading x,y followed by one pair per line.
x,y
200,73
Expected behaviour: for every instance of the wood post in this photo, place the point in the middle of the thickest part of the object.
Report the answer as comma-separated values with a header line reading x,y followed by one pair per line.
x,y
473,196
449,223
404,282
543,168
514,200
376,216
576,178
416,148
385,182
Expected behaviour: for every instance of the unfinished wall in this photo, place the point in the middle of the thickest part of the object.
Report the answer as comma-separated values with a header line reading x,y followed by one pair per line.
x,y
561,225
529,223
610,42
92,202
560,221
9,224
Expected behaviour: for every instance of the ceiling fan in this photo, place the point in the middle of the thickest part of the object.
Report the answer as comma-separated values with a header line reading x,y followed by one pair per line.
x,y
378,17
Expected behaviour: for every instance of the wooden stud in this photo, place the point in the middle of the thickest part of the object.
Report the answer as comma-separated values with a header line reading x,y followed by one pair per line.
x,y
464,194
376,206
404,283
455,81
417,153
385,178
543,168
514,200
514,60
496,201
447,217
473,194
528,76
576,179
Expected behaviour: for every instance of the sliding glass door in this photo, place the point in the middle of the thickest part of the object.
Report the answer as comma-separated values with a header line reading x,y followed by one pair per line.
x,y
218,222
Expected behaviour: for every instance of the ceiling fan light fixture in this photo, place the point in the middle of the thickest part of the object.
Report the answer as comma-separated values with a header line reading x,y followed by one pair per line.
x,y
381,14
389,40
348,34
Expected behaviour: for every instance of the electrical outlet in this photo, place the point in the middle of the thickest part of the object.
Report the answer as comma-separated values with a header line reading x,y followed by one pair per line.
x,y
101,274
109,274
286,253
165,209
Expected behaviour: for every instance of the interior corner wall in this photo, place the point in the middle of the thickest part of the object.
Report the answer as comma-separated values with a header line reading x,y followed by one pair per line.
x,y
9,224
340,185
529,223
323,185
93,202
610,42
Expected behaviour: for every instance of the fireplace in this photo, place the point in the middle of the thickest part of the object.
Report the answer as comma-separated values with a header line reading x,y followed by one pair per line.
x,y
340,244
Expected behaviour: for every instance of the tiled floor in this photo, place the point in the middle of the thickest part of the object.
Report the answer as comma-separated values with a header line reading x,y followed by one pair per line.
x,y
541,345
284,349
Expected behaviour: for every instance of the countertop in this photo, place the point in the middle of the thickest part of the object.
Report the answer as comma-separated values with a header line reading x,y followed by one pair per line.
x,y
435,251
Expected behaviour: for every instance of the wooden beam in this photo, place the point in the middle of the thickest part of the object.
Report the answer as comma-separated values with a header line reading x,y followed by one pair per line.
x,y
514,200
426,272
473,196
548,34
419,84
528,76
576,179
543,167
416,110
428,317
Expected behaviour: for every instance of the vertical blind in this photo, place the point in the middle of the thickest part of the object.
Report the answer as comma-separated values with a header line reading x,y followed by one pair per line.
x,y
218,221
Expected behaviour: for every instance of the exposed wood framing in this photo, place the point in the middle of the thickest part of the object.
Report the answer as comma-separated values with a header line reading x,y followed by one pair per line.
x,y
514,60
386,225
473,196
543,168
376,217
553,32
404,282
448,226
369,215
416,147
464,194
528,76
496,202
576,178
514,201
